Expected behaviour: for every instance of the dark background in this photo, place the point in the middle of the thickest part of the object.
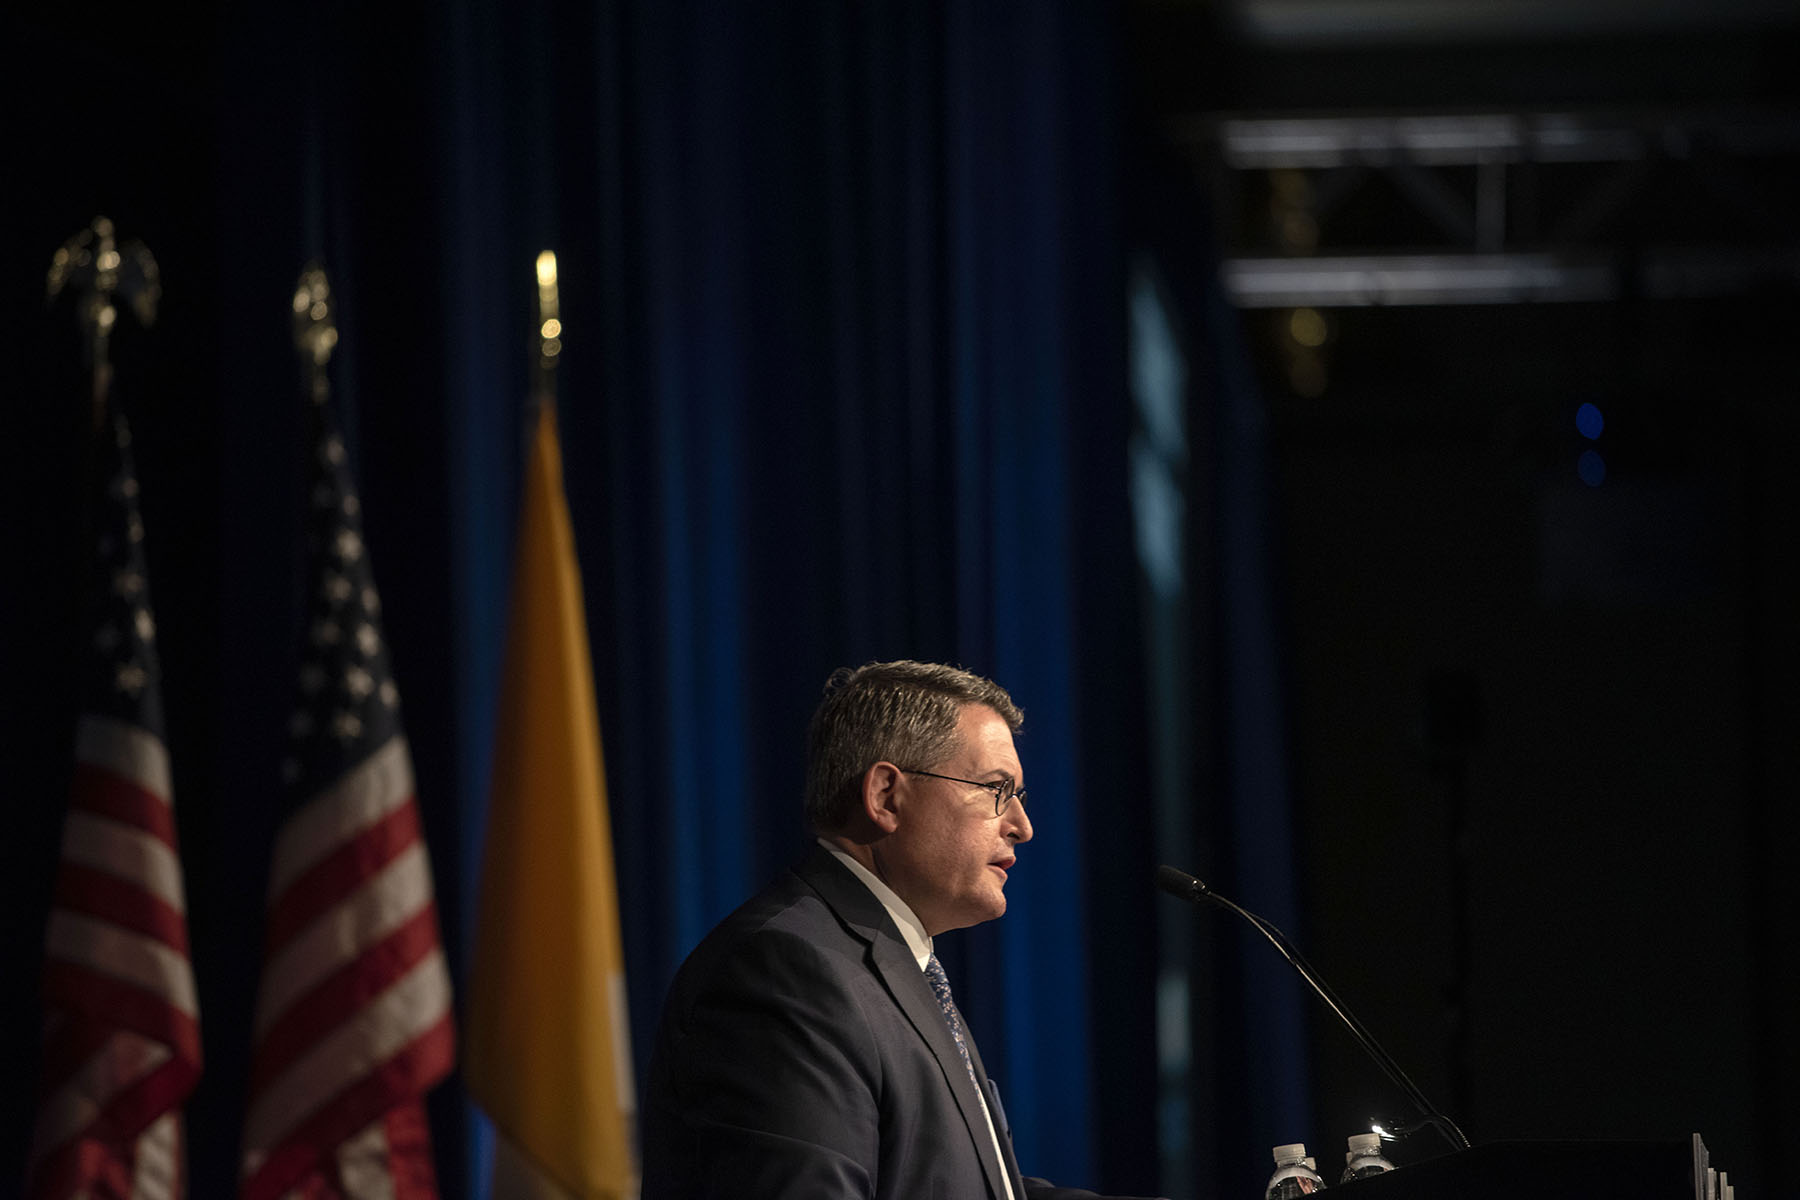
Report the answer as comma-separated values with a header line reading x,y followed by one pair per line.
x,y
856,370
1543,739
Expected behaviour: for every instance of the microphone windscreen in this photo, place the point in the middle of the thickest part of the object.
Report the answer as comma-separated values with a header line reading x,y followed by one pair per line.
x,y
1179,883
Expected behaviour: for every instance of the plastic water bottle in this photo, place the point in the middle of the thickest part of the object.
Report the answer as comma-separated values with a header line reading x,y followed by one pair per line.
x,y
1364,1157
1295,1174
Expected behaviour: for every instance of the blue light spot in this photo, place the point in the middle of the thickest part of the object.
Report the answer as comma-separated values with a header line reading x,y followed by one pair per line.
x,y
1592,468
1590,421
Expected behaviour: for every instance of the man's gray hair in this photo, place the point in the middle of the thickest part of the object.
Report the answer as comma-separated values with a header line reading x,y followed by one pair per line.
x,y
902,712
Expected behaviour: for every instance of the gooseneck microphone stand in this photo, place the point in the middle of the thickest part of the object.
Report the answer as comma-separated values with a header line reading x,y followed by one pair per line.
x,y
1184,886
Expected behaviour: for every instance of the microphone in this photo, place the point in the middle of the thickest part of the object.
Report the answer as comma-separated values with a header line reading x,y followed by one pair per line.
x,y
1186,887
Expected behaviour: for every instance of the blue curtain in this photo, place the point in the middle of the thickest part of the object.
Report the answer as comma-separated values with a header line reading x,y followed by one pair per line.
x,y
864,276
843,382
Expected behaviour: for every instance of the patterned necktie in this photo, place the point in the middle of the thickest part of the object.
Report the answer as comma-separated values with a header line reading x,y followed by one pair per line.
x,y
940,983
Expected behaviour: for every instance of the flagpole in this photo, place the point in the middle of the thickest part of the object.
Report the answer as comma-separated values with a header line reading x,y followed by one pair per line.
x,y
549,331
315,331
92,264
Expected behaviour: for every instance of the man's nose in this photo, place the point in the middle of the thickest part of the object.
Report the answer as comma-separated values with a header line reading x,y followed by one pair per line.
x,y
1018,822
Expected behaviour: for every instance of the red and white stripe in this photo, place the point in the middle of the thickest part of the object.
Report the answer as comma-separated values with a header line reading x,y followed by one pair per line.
x,y
122,1024
353,1022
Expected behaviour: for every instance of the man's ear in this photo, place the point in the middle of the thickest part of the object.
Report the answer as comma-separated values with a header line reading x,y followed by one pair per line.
x,y
881,785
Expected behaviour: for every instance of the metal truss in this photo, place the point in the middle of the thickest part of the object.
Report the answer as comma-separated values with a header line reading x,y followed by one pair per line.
x,y
1497,208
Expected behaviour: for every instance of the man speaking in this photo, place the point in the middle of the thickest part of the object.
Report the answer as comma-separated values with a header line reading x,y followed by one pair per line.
x,y
810,1045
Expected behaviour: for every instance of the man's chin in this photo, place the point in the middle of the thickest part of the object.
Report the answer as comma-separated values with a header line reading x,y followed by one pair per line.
x,y
992,908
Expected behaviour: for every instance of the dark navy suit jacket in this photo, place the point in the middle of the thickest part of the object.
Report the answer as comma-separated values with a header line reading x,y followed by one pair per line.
x,y
803,1054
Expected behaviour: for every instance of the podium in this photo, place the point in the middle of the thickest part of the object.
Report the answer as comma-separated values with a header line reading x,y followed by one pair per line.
x,y
1676,1169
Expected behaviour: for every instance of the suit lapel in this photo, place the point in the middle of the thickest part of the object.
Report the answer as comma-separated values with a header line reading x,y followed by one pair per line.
x,y
889,957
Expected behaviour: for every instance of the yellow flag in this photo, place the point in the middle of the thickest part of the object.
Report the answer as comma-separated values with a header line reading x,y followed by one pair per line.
x,y
548,1049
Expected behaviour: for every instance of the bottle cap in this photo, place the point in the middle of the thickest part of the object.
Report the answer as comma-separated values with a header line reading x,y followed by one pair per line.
x,y
1290,1154
1365,1143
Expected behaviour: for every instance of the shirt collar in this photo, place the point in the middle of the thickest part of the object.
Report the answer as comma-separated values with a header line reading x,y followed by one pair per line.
x,y
911,928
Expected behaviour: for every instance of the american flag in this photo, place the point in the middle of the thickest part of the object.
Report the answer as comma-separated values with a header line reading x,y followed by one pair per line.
x,y
353,1020
122,1027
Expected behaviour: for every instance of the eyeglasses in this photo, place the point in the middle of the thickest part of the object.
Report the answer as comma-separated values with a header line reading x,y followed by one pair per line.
x,y
1003,788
